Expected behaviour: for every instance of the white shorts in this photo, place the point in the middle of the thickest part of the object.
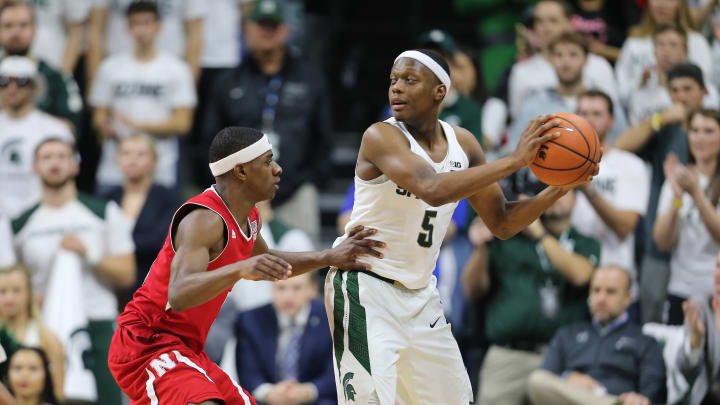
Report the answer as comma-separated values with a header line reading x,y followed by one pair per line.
x,y
392,344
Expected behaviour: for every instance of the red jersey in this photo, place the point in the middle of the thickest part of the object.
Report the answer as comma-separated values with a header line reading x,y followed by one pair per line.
x,y
150,309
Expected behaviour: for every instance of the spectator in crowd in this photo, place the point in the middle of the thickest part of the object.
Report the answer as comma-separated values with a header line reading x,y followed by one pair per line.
x,y
653,139
60,32
608,208
464,73
7,252
180,34
552,18
670,48
29,378
5,396
606,361
605,23
534,283
568,55
20,315
59,95
688,222
637,57
278,92
147,204
284,351
93,229
22,128
699,359
145,90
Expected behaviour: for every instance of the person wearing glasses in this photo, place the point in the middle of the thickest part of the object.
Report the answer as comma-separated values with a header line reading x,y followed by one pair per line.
x,y
22,128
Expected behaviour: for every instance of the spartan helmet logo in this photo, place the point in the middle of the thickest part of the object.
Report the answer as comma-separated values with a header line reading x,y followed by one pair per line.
x,y
542,153
348,389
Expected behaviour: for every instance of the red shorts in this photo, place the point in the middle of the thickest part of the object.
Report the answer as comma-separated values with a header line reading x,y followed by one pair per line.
x,y
158,368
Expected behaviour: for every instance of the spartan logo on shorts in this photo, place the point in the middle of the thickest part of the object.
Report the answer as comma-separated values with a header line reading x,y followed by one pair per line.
x,y
348,389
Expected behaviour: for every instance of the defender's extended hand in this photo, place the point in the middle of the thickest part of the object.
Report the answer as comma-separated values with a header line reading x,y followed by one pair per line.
x,y
265,267
344,255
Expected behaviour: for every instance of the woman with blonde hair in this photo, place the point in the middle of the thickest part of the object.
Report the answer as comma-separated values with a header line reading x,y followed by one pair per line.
x,y
637,56
20,316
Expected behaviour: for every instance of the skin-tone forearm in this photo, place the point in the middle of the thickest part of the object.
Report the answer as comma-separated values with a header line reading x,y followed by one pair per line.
x,y
193,51
574,267
621,222
303,262
476,275
666,229
5,397
72,48
100,121
96,41
635,138
708,214
178,124
197,288
120,270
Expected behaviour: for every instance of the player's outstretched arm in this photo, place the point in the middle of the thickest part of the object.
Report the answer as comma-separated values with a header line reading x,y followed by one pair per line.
x,y
385,148
200,234
343,256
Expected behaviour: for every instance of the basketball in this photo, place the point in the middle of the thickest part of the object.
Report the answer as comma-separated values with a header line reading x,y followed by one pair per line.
x,y
570,158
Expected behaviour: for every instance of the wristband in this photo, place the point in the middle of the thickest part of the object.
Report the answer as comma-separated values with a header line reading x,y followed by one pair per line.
x,y
677,202
656,121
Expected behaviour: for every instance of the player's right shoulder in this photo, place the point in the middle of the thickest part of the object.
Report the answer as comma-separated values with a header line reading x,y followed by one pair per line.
x,y
383,134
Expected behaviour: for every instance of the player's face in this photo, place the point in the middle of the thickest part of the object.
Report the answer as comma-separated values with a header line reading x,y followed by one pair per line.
x,y
550,21
55,164
669,49
704,138
14,294
687,92
568,60
413,89
595,111
16,92
16,30
136,159
26,374
291,295
143,27
663,11
263,36
264,176
609,294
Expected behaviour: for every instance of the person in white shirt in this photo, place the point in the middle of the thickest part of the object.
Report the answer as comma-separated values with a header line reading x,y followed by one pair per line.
x,y
60,29
637,56
94,230
181,31
608,208
552,18
670,48
144,91
688,221
7,253
22,128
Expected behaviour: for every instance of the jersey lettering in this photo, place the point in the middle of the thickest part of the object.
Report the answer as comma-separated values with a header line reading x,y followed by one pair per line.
x,y
162,364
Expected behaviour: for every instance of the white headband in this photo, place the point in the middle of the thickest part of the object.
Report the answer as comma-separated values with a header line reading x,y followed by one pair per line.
x,y
429,63
245,155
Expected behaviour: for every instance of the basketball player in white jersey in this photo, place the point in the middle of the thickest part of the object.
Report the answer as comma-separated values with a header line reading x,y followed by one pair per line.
x,y
391,341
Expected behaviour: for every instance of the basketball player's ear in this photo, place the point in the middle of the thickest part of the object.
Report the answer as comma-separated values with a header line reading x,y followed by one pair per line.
x,y
239,171
440,92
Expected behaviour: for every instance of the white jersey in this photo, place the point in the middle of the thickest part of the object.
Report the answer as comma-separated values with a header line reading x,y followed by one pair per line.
x,y
50,35
19,185
412,229
100,225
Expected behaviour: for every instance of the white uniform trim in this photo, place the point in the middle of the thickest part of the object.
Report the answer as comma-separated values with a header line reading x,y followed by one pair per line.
x,y
188,362
239,388
150,388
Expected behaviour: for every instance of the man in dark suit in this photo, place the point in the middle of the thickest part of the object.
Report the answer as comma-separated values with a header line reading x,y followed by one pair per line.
x,y
284,349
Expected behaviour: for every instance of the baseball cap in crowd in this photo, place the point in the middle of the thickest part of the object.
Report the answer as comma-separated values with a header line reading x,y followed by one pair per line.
x,y
273,10
686,70
18,67
438,39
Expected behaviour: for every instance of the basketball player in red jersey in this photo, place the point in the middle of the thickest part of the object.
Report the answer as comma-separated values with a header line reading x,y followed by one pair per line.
x,y
156,354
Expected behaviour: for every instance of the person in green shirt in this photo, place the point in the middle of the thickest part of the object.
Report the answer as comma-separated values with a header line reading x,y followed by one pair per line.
x,y
59,94
533,283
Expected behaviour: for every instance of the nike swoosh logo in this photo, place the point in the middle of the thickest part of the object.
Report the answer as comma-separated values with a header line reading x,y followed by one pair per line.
x,y
432,325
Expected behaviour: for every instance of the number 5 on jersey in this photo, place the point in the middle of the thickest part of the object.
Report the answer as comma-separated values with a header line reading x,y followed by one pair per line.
x,y
425,239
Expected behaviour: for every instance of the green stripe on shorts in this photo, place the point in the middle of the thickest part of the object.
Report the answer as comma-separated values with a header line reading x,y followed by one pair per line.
x,y
338,316
357,328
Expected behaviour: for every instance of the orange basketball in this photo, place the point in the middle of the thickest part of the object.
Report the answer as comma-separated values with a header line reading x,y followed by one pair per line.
x,y
570,158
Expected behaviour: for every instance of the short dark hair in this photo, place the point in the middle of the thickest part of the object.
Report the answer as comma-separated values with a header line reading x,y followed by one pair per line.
x,y
570,38
143,7
662,28
688,70
64,141
566,7
17,3
230,140
437,57
602,95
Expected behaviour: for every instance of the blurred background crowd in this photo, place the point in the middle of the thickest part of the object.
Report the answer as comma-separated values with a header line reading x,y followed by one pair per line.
x,y
107,109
